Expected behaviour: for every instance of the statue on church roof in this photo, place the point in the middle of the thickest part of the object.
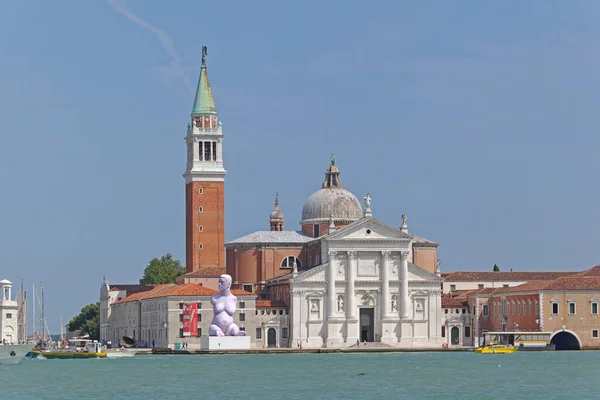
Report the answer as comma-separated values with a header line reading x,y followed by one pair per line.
x,y
404,218
368,201
332,159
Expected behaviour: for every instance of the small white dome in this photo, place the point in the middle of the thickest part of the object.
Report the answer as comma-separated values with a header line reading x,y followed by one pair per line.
x,y
5,282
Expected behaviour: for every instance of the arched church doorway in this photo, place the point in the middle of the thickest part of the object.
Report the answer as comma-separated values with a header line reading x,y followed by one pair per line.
x,y
454,334
272,337
565,341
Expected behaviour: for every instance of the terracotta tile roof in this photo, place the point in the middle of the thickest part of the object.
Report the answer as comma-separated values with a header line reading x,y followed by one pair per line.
x,y
594,271
131,288
525,287
270,303
141,295
206,272
470,276
448,302
575,283
242,293
188,289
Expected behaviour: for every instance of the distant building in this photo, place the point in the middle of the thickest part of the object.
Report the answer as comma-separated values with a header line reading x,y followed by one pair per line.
x,y
567,306
9,317
156,317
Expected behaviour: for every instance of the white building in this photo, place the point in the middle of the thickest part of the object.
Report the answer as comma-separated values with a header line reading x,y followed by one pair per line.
x,y
367,290
9,310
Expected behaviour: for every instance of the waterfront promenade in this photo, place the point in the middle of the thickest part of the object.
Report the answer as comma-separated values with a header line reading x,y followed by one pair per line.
x,y
353,349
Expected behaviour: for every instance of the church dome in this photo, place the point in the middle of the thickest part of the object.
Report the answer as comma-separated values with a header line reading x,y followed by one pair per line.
x,y
332,200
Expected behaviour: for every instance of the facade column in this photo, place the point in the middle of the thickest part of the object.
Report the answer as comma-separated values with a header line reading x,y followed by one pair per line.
x,y
351,309
331,285
385,284
235,260
404,299
350,276
220,150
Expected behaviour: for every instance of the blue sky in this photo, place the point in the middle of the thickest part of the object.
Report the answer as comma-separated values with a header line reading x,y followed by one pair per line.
x,y
478,119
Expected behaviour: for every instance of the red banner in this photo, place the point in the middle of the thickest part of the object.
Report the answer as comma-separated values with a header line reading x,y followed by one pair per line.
x,y
190,319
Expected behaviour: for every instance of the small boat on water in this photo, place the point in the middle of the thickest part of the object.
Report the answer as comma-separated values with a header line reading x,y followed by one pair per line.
x,y
14,353
496,349
91,349
118,353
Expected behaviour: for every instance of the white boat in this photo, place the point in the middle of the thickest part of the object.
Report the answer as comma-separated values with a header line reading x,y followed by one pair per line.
x,y
14,353
118,353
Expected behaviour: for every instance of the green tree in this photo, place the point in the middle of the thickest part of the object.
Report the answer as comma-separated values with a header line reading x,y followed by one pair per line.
x,y
88,321
496,268
163,270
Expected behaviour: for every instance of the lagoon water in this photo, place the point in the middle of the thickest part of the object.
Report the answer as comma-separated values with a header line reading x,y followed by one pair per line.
x,y
435,375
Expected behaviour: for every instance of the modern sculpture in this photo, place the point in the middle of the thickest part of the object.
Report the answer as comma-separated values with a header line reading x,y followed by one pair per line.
x,y
224,305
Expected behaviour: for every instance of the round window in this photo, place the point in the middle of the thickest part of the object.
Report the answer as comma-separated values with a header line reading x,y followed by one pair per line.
x,y
368,231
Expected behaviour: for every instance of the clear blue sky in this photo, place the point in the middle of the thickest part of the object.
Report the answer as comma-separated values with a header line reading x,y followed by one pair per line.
x,y
478,119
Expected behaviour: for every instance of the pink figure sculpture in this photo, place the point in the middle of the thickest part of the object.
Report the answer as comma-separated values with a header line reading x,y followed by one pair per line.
x,y
224,305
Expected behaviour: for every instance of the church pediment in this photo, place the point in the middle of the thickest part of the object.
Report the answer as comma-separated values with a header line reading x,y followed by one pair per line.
x,y
368,229
416,273
316,274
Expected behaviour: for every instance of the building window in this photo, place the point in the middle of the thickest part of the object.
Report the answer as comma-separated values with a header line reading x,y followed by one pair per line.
x,y
486,309
595,333
467,331
284,333
199,317
480,286
207,151
199,331
508,308
258,333
242,317
537,307
594,308
316,230
464,310
242,304
180,332
443,331
555,309
200,228
518,307
180,317
505,285
445,311
247,288
452,288
288,262
8,315
571,308
200,191
201,246
200,209
529,303
474,311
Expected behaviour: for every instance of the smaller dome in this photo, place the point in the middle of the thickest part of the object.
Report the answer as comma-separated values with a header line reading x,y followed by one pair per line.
x,y
276,214
5,282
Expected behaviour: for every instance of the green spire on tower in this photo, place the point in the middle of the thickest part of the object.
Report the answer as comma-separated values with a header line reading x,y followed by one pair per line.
x,y
204,103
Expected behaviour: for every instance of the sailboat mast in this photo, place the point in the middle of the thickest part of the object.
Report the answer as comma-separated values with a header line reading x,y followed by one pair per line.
x,y
42,329
33,326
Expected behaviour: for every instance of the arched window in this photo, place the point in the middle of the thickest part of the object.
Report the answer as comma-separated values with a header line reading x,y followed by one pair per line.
x,y
288,262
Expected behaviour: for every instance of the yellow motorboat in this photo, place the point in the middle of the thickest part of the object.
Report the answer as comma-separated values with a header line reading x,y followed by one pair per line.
x,y
496,349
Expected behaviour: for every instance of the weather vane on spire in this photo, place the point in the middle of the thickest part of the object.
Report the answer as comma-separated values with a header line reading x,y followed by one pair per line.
x,y
204,53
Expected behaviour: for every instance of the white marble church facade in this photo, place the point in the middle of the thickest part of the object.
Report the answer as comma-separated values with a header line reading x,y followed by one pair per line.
x,y
368,290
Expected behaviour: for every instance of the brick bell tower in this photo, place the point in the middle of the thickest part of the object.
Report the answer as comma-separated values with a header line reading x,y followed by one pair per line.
x,y
204,181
